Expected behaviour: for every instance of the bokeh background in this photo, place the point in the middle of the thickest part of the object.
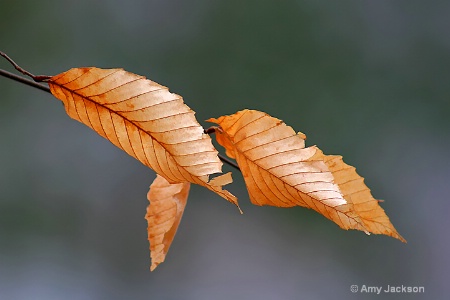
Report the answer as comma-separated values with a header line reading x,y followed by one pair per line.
x,y
365,79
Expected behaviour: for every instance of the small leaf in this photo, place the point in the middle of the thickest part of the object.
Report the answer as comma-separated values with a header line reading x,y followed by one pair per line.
x,y
167,203
144,119
279,171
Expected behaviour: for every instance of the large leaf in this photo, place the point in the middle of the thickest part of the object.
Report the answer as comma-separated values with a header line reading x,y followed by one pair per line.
x,y
279,171
167,203
144,119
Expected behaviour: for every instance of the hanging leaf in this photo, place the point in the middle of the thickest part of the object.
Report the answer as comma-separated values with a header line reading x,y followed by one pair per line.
x,y
279,171
144,119
167,203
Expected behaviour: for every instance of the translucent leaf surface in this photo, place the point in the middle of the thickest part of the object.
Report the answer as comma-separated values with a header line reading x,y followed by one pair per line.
x,y
279,171
144,119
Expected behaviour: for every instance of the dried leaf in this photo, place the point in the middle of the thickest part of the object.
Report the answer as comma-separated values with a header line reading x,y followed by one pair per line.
x,y
144,119
167,203
279,171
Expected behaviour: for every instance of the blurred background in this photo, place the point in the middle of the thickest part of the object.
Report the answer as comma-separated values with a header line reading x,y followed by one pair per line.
x,y
365,79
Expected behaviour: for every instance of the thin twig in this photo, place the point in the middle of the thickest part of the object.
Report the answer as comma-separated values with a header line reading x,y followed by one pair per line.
x,y
37,78
228,161
24,80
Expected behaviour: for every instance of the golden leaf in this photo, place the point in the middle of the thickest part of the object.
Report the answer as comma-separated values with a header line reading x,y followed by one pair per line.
x,y
144,119
279,171
167,203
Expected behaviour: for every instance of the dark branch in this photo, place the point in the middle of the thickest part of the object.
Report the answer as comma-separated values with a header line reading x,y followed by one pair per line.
x,y
229,161
24,80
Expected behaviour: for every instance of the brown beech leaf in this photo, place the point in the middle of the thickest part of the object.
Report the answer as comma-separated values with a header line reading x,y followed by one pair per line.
x,y
279,171
144,119
167,203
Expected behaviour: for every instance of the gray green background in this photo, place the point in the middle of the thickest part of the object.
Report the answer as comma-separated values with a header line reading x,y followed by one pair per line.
x,y
365,79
